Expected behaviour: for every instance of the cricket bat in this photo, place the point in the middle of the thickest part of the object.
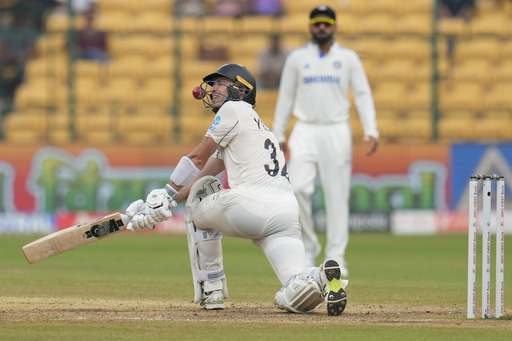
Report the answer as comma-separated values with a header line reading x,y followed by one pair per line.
x,y
75,236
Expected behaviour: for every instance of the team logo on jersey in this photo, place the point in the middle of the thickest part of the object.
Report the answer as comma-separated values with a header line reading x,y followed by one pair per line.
x,y
321,79
215,123
337,65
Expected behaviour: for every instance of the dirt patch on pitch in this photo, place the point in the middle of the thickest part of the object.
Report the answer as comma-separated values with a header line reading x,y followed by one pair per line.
x,y
27,310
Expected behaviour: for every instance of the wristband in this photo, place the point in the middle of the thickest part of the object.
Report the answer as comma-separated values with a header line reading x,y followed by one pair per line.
x,y
171,191
184,172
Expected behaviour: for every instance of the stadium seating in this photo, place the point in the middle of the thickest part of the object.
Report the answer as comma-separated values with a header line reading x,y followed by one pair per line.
x,y
145,129
152,22
419,96
214,24
61,22
416,129
299,7
390,95
485,7
29,127
455,129
364,7
156,60
114,5
502,73
258,24
473,70
389,129
414,48
96,128
416,6
164,6
475,48
492,129
378,23
461,96
373,48
134,6
113,21
453,27
127,66
266,104
156,91
53,67
397,69
188,24
499,97
51,44
145,45
293,23
413,24
492,23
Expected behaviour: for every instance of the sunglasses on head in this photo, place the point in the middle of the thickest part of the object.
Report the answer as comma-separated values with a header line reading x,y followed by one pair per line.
x,y
326,21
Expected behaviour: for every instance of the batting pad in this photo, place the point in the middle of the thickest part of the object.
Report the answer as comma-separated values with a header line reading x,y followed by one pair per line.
x,y
207,240
299,295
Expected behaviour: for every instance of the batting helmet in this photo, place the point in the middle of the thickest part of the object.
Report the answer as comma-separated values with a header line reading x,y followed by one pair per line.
x,y
243,82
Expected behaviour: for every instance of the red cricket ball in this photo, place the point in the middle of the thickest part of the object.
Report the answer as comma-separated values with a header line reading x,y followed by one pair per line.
x,y
198,93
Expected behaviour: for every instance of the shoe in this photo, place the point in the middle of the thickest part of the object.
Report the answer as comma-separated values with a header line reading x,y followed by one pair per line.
x,y
212,301
332,287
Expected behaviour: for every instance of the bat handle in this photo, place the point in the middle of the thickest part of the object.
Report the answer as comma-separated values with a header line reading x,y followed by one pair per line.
x,y
125,219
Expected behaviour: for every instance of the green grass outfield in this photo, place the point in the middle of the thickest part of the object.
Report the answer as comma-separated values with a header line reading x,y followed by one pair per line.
x,y
137,286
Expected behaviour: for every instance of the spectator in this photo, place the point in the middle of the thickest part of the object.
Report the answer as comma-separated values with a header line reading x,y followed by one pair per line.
x,y
21,23
457,8
463,9
212,51
34,11
271,62
91,43
190,8
16,48
80,7
268,7
231,8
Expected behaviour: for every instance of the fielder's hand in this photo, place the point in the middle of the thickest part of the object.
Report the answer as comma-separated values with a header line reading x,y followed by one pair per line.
x,y
372,144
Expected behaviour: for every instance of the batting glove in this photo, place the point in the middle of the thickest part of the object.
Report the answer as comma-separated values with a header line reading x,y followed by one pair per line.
x,y
141,221
136,209
158,204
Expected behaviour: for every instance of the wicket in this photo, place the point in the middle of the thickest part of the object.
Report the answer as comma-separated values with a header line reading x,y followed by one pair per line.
x,y
486,244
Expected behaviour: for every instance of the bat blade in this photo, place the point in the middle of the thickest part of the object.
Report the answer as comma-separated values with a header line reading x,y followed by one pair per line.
x,y
74,236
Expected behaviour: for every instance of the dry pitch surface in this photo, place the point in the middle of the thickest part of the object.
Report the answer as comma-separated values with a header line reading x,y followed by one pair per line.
x,y
57,310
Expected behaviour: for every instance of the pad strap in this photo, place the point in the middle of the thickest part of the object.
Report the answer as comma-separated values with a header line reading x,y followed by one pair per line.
x,y
185,172
204,235
205,275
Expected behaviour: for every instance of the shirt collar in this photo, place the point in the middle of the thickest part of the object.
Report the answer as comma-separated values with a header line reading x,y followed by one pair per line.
x,y
315,48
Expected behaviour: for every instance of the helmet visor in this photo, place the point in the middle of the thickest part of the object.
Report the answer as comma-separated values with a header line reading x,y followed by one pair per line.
x,y
214,99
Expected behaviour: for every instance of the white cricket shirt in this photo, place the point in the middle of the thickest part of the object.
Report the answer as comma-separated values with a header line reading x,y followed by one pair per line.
x,y
250,150
314,87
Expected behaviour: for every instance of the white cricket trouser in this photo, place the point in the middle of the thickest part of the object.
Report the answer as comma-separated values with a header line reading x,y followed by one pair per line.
x,y
326,149
270,221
